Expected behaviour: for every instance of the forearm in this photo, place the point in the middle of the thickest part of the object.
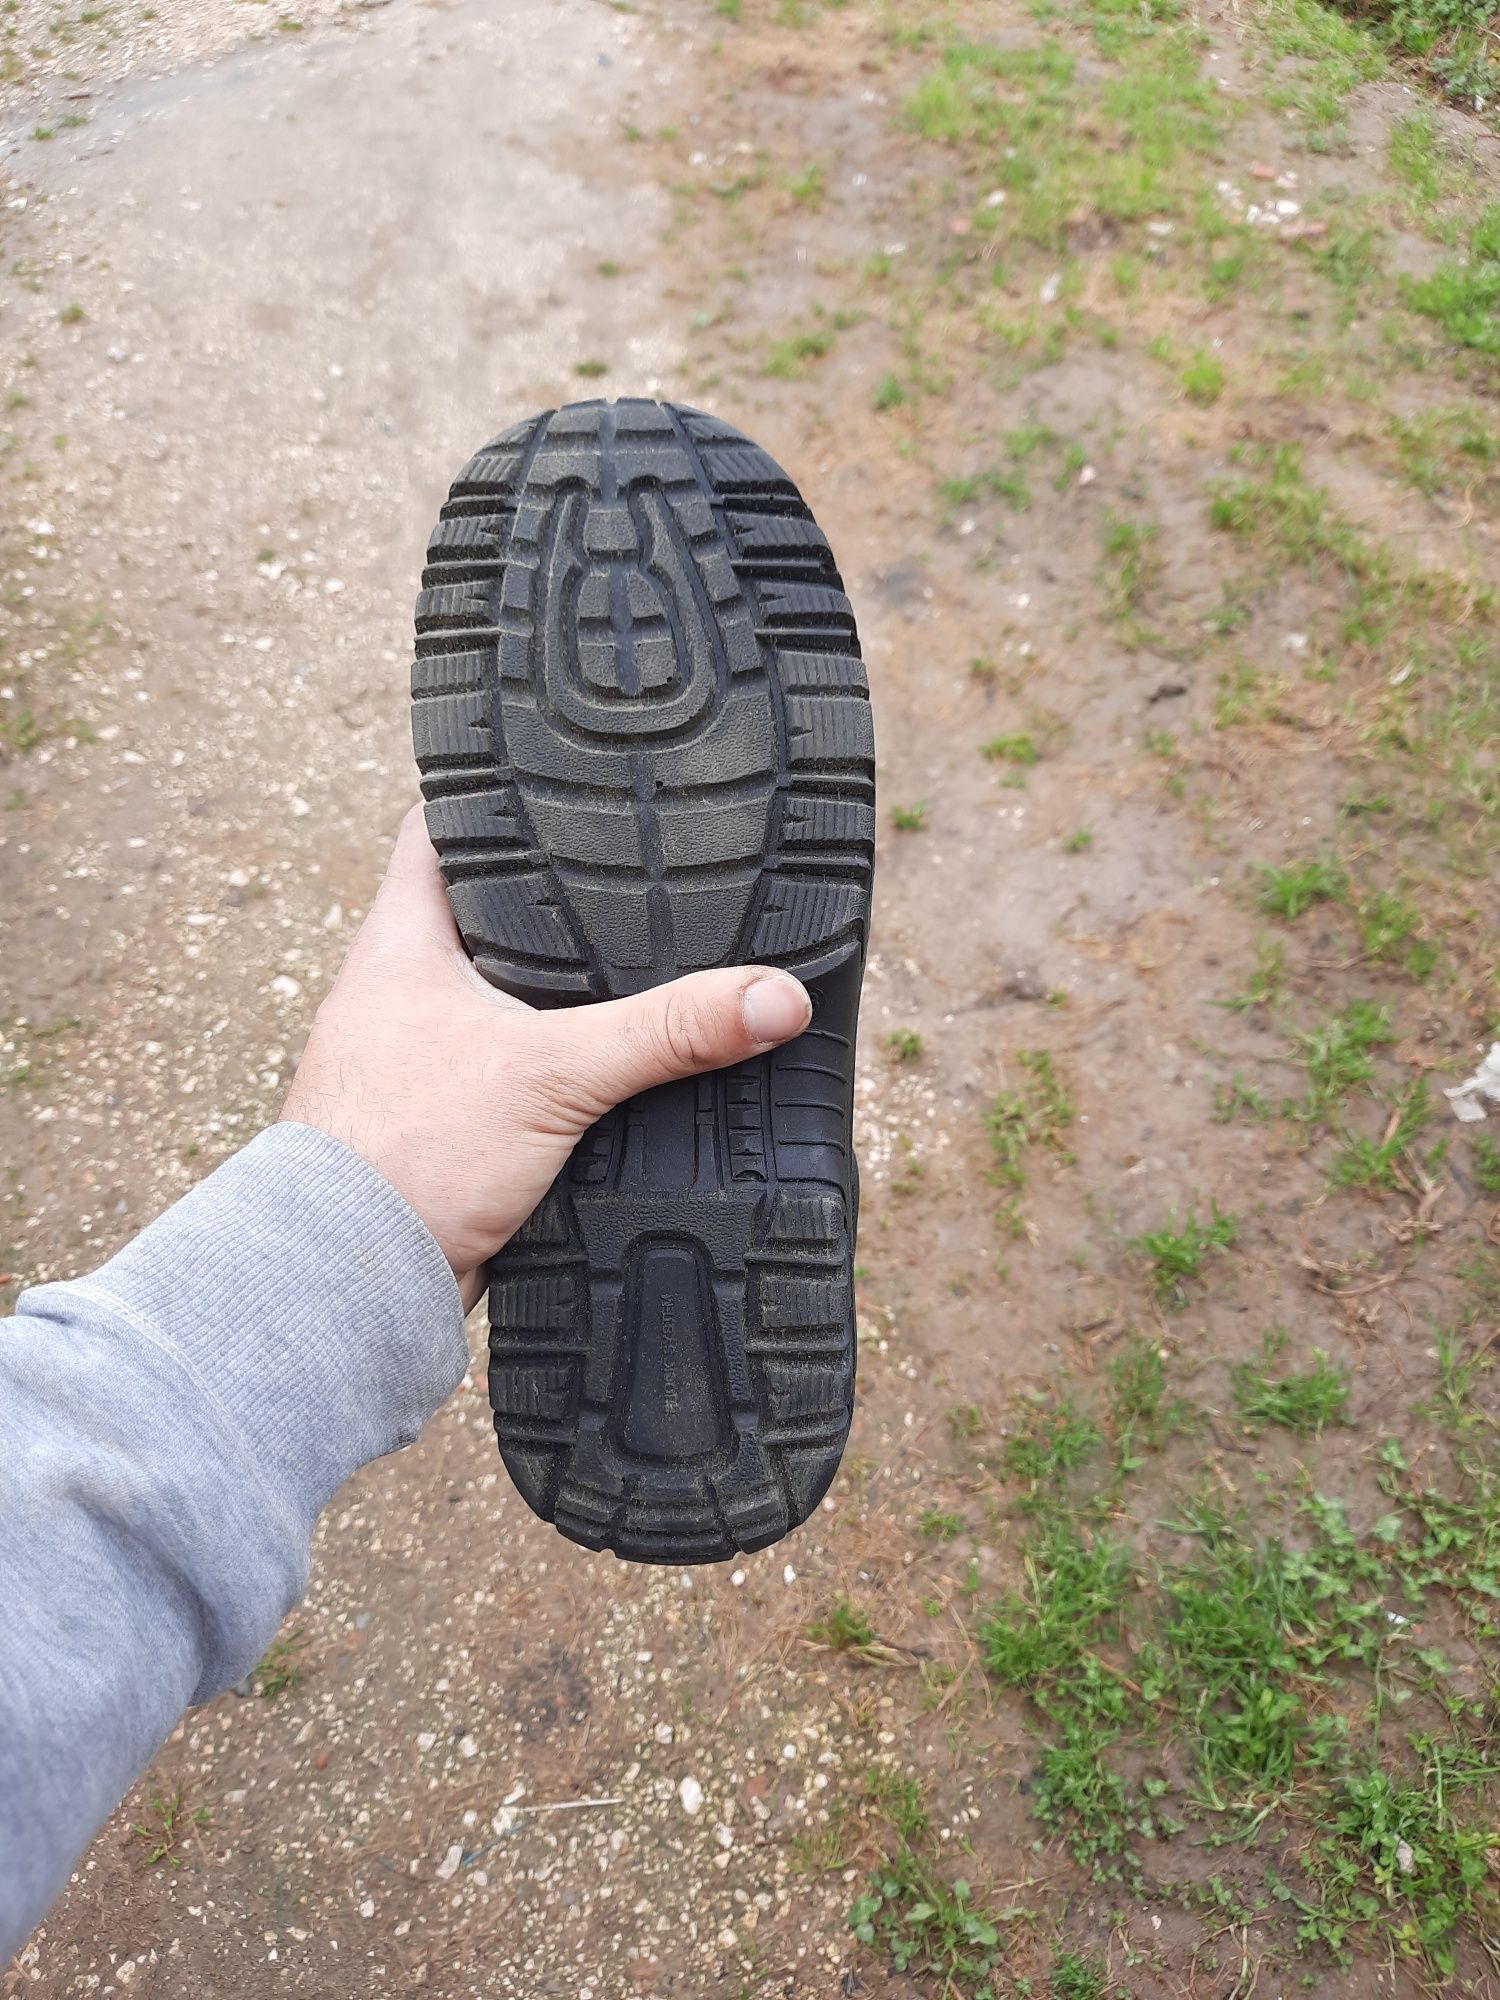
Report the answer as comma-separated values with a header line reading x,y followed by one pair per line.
x,y
170,1429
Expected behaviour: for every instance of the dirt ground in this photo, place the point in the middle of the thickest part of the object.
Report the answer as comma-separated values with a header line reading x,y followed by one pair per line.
x,y
266,284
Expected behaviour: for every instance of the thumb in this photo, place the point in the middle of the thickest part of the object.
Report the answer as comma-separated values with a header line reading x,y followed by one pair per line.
x,y
706,1021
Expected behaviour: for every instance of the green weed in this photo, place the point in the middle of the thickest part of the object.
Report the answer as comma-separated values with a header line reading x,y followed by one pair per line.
x,y
1178,1253
1036,1112
1304,1400
1266,983
1372,1163
1463,296
940,1524
1077,1976
1203,378
1291,891
1019,747
1395,1849
1129,563
1487,1162
843,1627
283,1665
789,357
167,1822
809,187
1336,1054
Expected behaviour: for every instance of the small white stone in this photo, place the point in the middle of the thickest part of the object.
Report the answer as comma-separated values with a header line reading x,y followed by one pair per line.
x,y
691,1794
447,1868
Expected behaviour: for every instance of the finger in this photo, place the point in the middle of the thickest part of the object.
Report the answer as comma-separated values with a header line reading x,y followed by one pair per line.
x,y
705,1021
411,907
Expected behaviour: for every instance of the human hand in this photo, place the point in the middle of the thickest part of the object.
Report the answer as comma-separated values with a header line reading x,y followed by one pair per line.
x,y
469,1102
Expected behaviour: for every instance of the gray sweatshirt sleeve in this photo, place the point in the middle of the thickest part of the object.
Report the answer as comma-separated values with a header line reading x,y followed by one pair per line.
x,y
170,1429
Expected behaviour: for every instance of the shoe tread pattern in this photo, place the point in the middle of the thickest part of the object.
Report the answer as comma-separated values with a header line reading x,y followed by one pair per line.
x,y
643,728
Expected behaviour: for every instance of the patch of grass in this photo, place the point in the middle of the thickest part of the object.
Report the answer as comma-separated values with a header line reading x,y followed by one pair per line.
x,y
1292,517
940,1524
167,1822
1047,1446
1203,378
1373,1163
905,1044
1393,1849
790,357
1303,1400
1129,566
1142,1416
994,483
70,315
843,1628
1453,41
1414,152
1336,1054
591,368
20,730
809,188
889,394
1036,1112
1266,983
1236,1097
1487,1162
910,819
283,1666
1076,1975
1388,930
1046,1637
1290,892
1081,1796
1450,450
1079,842
1463,295
1178,1252
926,1926
1019,747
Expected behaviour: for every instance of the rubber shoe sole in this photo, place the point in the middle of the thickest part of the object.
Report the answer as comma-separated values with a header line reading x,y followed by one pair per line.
x,y
644,734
